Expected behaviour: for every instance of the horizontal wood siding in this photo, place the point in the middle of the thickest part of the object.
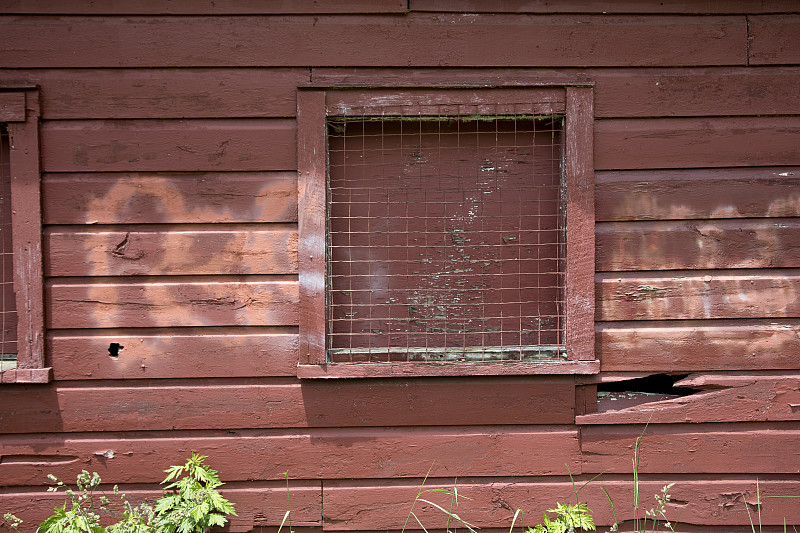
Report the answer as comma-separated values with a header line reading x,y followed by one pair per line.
x,y
170,250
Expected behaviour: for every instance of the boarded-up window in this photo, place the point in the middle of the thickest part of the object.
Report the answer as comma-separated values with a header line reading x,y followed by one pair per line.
x,y
445,231
446,239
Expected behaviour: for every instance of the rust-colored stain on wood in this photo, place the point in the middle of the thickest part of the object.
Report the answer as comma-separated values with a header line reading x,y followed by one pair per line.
x,y
170,292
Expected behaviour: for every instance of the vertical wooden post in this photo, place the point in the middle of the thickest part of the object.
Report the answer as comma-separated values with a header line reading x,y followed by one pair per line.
x,y
579,176
311,196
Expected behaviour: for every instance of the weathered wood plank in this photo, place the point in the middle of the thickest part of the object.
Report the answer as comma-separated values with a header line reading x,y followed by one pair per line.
x,y
618,6
620,92
172,303
358,505
244,250
147,198
477,40
180,353
681,296
717,345
759,401
232,404
773,39
710,450
168,145
256,505
164,93
693,142
697,194
201,7
12,106
666,245
317,454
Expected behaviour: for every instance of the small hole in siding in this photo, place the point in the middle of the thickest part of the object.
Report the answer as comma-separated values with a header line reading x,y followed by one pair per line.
x,y
114,348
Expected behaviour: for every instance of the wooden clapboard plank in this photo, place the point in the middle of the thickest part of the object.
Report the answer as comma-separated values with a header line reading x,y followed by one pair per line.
x,y
619,92
700,500
244,250
318,454
256,505
703,295
666,245
168,145
694,346
760,400
694,142
182,353
216,302
619,6
12,106
478,40
691,450
773,39
164,93
147,198
202,7
232,404
698,193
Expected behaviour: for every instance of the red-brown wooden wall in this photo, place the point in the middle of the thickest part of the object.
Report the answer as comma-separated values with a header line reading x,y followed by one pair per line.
x,y
170,227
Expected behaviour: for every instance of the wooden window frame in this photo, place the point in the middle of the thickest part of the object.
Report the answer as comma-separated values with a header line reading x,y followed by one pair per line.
x,y
573,102
19,110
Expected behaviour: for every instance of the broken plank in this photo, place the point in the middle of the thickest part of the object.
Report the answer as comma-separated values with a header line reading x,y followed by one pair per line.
x,y
697,244
415,38
698,295
164,93
698,346
691,450
168,145
157,198
697,194
773,39
331,453
173,353
764,400
244,250
217,302
696,142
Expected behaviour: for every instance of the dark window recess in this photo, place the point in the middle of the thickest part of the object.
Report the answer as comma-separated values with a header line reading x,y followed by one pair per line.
x,y
446,239
8,309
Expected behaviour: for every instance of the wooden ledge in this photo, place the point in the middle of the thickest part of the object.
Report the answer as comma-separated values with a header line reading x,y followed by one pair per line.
x,y
27,375
462,369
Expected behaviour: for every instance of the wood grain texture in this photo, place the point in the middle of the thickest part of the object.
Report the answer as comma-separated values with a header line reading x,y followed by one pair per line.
x,y
12,106
698,501
168,145
158,198
619,92
689,142
681,296
698,346
773,39
164,93
236,404
619,6
698,194
256,505
668,245
315,454
416,39
212,302
181,353
202,7
760,400
690,450
224,250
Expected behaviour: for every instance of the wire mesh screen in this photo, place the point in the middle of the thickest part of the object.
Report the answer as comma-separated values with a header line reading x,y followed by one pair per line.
x,y
8,309
445,239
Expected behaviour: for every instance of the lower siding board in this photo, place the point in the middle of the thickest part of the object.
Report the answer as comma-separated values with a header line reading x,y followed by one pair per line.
x,y
234,404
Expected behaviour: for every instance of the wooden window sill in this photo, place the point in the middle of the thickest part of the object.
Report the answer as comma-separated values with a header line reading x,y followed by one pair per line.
x,y
403,369
26,375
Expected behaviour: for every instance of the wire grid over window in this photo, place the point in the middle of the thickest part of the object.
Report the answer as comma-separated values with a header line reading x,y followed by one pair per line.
x,y
8,309
446,238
